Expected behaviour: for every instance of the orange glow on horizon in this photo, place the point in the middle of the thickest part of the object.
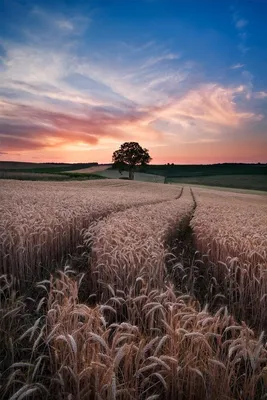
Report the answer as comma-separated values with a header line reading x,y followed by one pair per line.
x,y
195,153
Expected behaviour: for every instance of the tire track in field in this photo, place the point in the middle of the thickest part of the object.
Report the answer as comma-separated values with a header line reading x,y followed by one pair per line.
x,y
138,238
79,260
193,273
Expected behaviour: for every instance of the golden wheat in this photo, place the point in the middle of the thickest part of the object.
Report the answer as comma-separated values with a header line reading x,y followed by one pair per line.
x,y
131,244
182,352
41,222
142,339
231,231
231,225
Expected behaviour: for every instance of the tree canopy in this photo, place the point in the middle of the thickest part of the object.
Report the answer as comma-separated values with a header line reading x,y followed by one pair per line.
x,y
129,155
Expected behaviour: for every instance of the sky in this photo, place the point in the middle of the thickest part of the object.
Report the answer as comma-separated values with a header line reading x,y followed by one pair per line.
x,y
184,78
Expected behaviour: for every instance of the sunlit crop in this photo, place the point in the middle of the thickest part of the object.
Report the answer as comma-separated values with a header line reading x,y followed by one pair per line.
x,y
168,300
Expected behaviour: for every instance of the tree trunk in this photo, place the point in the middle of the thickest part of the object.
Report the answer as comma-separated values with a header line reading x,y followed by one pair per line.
x,y
131,174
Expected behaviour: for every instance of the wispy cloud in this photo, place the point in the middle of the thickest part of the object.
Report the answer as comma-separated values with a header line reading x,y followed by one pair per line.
x,y
155,60
199,114
260,95
58,23
238,20
240,23
56,98
205,113
248,78
65,24
237,66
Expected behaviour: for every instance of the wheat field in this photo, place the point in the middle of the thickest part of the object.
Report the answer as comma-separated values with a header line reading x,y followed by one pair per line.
x,y
45,221
232,231
163,295
91,170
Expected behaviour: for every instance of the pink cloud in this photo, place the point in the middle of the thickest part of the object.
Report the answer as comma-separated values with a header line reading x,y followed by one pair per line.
x,y
144,102
200,115
209,108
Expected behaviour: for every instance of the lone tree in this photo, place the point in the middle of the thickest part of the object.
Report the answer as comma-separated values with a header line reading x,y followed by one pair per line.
x,y
129,155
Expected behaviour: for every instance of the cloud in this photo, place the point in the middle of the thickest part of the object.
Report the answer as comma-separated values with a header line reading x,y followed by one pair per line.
x,y
55,93
241,23
37,128
48,74
155,60
201,114
260,95
53,99
238,20
237,66
243,48
248,80
60,23
65,24
206,112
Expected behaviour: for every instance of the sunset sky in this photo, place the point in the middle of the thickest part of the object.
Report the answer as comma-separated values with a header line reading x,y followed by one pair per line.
x,y
184,78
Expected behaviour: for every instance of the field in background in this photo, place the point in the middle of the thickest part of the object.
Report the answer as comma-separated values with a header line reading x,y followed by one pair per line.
x,y
160,292
17,165
252,182
106,171
47,172
206,170
34,176
138,176
45,176
91,170
243,176
42,167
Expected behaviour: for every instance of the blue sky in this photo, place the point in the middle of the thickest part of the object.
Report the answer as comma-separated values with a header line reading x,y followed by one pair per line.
x,y
186,79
